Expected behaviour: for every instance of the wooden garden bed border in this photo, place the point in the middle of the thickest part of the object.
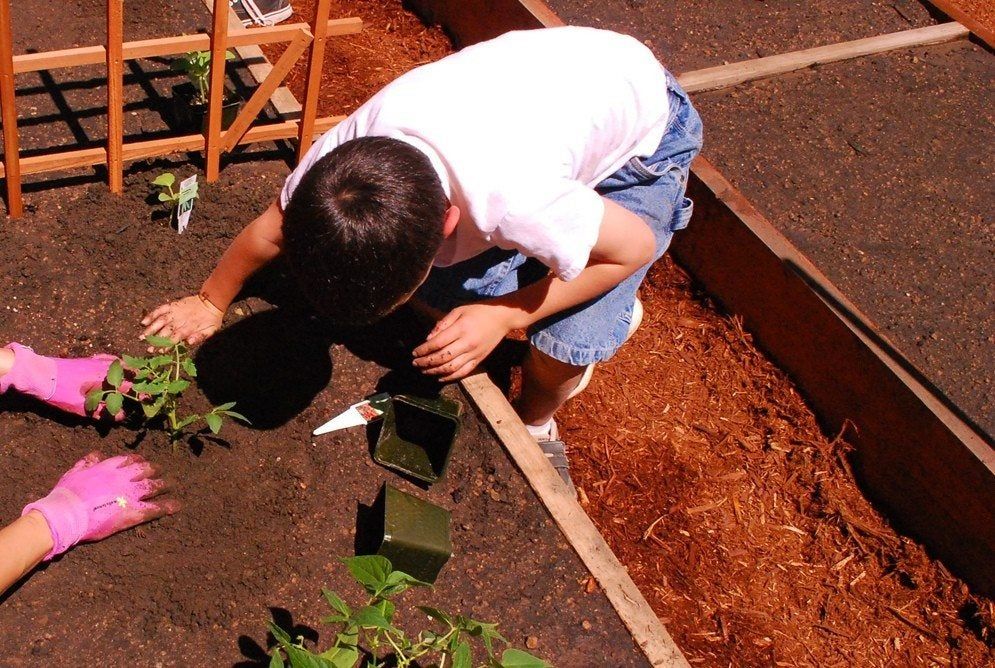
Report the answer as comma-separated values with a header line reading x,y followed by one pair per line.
x,y
303,38
916,455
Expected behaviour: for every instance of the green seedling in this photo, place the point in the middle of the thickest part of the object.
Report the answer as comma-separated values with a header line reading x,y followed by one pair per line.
x,y
369,633
167,194
197,66
159,383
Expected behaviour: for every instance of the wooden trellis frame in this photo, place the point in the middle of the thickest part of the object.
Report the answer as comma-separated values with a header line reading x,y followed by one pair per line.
x,y
301,37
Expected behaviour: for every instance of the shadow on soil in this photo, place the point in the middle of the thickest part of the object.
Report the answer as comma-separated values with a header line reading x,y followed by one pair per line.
x,y
256,655
272,364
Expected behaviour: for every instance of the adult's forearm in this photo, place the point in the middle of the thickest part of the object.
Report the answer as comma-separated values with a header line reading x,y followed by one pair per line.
x,y
254,247
23,544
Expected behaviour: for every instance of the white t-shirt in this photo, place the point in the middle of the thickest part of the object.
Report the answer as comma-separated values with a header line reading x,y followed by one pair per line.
x,y
520,129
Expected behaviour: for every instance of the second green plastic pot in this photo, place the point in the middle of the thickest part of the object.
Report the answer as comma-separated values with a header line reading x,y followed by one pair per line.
x,y
415,533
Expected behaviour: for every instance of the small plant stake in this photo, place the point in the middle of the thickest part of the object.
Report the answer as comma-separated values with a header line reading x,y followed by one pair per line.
x,y
159,382
369,635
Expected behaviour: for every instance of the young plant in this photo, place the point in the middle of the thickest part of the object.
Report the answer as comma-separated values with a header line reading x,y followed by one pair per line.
x,y
369,632
197,66
159,383
167,195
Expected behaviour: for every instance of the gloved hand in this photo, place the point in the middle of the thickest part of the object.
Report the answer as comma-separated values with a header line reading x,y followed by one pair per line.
x,y
59,382
95,499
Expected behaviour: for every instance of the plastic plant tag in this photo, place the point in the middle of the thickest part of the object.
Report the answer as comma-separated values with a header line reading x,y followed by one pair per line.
x,y
184,207
357,415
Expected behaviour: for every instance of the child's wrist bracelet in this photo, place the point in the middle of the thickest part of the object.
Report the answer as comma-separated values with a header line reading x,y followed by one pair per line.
x,y
207,302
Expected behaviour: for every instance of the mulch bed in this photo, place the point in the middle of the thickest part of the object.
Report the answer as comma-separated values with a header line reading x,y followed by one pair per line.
x,y
739,520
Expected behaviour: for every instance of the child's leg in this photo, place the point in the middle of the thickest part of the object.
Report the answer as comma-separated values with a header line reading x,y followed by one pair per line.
x,y
546,384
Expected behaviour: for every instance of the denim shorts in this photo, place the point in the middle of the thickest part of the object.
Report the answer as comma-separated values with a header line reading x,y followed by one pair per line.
x,y
652,187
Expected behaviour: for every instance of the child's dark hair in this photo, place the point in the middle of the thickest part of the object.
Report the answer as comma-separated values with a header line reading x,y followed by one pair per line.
x,y
363,226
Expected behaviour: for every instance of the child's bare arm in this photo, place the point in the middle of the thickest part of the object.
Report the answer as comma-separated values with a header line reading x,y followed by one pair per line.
x,y
194,318
464,337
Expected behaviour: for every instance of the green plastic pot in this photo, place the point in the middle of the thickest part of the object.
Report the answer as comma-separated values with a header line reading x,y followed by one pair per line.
x,y
415,533
417,436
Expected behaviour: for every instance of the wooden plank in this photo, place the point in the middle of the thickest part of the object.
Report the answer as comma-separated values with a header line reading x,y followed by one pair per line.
x,y
312,88
219,47
646,628
953,10
927,467
63,160
8,113
262,94
712,78
115,94
167,46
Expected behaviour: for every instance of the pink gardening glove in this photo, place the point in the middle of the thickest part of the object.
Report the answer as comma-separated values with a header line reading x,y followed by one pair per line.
x,y
57,381
95,499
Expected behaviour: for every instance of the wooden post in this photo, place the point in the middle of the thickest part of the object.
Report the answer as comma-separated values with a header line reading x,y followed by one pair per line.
x,y
219,38
11,150
319,28
115,94
262,94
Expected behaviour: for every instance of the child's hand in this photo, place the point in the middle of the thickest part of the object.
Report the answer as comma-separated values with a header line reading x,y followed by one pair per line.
x,y
96,498
191,319
463,339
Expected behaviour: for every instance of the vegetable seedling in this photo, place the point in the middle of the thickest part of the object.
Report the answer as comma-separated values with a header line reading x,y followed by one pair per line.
x,y
370,631
167,194
159,383
197,66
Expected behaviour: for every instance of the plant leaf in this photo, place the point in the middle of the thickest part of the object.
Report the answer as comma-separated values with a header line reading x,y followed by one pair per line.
x,y
191,369
134,363
160,360
114,402
165,197
224,407
237,416
213,422
164,180
151,410
93,398
386,609
186,422
516,658
178,386
115,374
336,602
159,341
463,656
398,581
370,617
371,571
276,659
341,657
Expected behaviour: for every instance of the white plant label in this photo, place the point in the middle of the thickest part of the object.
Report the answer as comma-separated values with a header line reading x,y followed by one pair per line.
x,y
188,193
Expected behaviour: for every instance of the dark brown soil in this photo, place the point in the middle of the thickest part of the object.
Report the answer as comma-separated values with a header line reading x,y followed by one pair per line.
x,y
739,520
693,34
879,169
267,512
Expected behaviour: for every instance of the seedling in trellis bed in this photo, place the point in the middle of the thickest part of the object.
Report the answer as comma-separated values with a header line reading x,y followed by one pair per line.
x,y
159,383
370,632
172,197
190,100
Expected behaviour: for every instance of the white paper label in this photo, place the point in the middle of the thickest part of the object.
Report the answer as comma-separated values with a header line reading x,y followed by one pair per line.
x,y
188,193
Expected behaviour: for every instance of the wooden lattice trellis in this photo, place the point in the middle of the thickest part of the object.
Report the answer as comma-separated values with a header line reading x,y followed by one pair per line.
x,y
214,141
